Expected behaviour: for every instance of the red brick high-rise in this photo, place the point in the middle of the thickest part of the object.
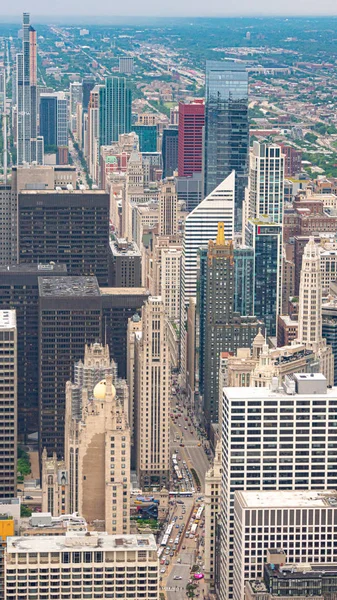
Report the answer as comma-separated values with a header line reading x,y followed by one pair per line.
x,y
191,122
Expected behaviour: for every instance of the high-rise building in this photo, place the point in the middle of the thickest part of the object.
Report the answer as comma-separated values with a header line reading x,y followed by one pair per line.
x,y
19,291
170,289
76,97
114,110
310,310
54,120
201,226
329,330
134,331
292,160
125,269
190,190
69,317
152,401
244,280
8,225
226,129
97,456
265,237
103,561
169,150
68,226
190,136
265,192
29,146
126,65
88,83
222,329
168,208
8,403
278,514
147,137
118,306
212,509
284,448
48,119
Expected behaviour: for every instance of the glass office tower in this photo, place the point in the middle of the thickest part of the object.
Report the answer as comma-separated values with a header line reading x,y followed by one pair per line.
x,y
226,129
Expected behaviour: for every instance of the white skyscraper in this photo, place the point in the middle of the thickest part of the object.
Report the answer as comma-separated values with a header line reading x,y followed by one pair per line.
x,y
168,208
274,440
152,401
201,226
272,518
310,309
265,192
8,403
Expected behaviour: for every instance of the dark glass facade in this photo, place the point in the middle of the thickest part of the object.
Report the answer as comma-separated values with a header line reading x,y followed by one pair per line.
x,y
170,150
244,280
266,239
147,137
48,120
66,227
226,129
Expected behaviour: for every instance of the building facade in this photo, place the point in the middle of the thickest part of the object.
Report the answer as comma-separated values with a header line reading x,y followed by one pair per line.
x,y
113,564
70,227
70,317
226,129
190,136
284,448
168,208
8,404
152,398
114,110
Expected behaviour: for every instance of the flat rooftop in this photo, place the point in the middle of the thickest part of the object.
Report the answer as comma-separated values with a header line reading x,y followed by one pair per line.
x,y
7,319
68,286
80,541
288,499
123,247
34,268
72,192
110,291
236,393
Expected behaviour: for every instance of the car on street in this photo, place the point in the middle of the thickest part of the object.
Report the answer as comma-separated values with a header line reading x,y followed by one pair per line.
x,y
177,577
198,575
162,570
29,498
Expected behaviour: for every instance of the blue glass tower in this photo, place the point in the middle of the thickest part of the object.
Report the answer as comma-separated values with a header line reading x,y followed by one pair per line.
x,y
226,129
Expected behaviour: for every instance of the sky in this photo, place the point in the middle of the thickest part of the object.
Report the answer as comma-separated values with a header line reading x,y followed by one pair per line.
x,y
183,8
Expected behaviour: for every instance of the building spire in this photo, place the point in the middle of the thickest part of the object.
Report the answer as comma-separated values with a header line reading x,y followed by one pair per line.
x,y
220,238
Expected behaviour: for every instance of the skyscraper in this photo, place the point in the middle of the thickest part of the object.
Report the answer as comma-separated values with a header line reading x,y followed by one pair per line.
x,y
54,119
190,134
88,83
310,310
19,291
244,280
201,226
168,208
76,97
114,109
152,386
169,150
29,146
223,330
266,182
97,455
265,238
68,226
226,129
271,441
48,119
8,403
69,318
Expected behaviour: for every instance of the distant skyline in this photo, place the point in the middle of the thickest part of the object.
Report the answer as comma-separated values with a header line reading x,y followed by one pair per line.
x,y
189,8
